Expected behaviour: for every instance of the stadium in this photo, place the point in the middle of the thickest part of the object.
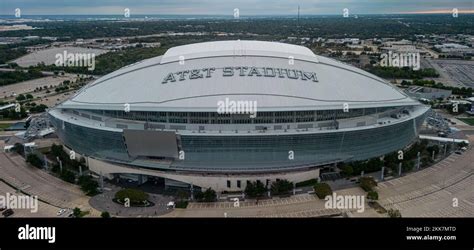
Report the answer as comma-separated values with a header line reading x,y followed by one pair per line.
x,y
220,114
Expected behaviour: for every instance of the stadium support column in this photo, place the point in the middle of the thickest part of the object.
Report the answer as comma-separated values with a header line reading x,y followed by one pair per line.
x,y
399,169
268,189
60,164
381,175
45,162
294,188
192,192
418,161
101,180
432,155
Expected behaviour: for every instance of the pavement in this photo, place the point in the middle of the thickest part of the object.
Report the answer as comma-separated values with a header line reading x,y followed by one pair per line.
x,y
33,181
104,202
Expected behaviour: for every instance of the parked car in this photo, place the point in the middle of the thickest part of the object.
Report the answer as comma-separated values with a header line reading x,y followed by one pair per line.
x,y
7,212
61,212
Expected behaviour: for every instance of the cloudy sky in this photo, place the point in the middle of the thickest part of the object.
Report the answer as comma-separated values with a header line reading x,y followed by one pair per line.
x,y
226,7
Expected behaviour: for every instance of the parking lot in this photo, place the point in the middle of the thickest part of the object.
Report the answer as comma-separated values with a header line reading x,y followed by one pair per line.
x,y
443,190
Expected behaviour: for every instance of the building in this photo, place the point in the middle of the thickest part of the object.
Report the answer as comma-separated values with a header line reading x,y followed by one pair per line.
x,y
179,116
420,92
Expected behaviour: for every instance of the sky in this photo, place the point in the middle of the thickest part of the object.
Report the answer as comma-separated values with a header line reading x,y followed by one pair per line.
x,y
226,7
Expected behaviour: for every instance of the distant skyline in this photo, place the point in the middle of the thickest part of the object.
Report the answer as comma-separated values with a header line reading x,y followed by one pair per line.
x,y
226,7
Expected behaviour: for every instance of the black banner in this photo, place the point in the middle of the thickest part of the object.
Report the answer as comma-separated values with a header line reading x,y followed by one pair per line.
x,y
237,233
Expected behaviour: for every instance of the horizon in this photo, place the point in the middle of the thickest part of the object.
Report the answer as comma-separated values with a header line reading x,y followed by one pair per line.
x,y
246,7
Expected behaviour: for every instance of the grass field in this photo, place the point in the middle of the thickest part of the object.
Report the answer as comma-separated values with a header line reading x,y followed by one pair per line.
x,y
3,126
469,121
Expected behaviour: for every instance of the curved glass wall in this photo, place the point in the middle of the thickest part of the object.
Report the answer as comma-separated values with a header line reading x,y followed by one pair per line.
x,y
251,153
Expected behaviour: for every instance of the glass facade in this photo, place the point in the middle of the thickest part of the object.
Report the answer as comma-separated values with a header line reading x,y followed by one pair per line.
x,y
251,152
215,118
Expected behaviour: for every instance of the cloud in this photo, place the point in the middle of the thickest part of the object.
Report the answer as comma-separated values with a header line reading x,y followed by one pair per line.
x,y
226,7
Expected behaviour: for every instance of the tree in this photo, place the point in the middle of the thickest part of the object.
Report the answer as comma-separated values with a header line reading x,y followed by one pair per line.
x,y
34,160
255,189
282,187
182,195
67,176
76,212
347,170
367,183
209,195
88,185
322,190
394,213
19,149
105,214
20,97
29,96
373,195
136,197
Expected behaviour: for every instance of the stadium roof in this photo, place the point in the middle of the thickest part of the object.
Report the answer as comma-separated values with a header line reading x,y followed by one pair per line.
x,y
147,85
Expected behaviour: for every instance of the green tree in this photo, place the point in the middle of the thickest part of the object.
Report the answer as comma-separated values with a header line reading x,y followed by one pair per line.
x,y
280,187
20,97
347,170
34,160
255,189
76,212
19,149
373,195
322,190
136,197
394,213
105,214
67,176
88,185
367,183
209,195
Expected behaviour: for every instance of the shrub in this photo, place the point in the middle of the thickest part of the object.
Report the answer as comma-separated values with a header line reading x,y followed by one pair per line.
x,y
68,176
322,190
393,213
136,197
34,160
282,187
347,170
181,204
367,183
255,189
373,195
88,185
105,214
207,196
